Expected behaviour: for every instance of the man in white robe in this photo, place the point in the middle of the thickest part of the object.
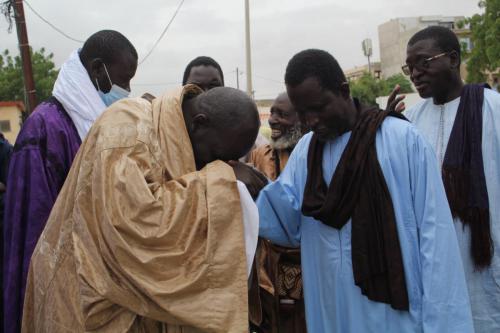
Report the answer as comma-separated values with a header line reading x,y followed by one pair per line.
x,y
433,63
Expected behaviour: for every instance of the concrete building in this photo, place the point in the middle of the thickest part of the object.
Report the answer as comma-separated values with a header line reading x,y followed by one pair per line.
x,y
355,73
264,107
10,119
395,34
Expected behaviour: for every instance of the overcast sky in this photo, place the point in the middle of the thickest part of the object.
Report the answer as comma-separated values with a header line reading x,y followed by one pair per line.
x,y
215,28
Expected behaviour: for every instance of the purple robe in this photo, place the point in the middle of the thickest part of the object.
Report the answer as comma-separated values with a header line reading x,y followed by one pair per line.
x,y
40,162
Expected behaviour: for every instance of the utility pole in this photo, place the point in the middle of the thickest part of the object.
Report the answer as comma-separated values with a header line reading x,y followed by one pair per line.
x,y
24,49
248,49
238,78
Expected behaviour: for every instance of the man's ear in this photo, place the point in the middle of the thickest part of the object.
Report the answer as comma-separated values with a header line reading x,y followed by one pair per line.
x,y
199,121
96,67
97,72
345,91
454,59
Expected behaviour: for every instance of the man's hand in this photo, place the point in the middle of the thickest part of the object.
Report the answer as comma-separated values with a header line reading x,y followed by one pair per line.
x,y
253,179
394,102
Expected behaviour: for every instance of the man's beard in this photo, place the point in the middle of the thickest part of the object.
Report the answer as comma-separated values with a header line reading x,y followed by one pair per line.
x,y
289,139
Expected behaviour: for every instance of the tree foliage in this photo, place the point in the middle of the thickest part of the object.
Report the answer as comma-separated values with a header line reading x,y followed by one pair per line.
x,y
400,79
11,75
367,88
485,38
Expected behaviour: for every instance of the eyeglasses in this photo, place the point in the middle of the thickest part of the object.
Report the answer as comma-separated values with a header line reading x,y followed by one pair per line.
x,y
421,64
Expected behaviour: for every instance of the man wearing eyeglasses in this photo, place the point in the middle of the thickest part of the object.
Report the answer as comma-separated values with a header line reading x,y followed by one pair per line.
x,y
462,123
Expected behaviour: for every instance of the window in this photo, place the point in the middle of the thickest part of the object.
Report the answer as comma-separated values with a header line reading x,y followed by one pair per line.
x,y
466,43
448,25
5,126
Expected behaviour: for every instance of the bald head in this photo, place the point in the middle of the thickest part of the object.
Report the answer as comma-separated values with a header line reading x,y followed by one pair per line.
x,y
229,107
283,97
223,123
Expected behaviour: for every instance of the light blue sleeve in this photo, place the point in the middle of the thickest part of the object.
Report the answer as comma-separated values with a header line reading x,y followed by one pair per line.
x,y
445,301
280,202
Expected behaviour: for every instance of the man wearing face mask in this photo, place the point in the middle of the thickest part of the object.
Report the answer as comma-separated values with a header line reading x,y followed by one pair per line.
x,y
90,80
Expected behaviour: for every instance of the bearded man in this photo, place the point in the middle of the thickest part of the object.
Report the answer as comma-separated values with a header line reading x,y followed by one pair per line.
x,y
280,293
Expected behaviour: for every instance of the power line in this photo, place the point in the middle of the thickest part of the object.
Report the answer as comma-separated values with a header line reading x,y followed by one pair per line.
x,y
269,79
163,32
261,77
81,41
156,84
268,95
51,25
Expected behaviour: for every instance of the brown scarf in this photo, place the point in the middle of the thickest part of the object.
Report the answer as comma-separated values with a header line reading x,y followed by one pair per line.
x,y
358,190
463,174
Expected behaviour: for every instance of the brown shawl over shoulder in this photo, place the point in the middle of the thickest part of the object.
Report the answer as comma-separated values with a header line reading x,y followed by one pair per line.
x,y
358,190
463,174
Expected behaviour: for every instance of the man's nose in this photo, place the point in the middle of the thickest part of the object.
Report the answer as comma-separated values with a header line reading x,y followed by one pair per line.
x,y
204,87
273,121
415,73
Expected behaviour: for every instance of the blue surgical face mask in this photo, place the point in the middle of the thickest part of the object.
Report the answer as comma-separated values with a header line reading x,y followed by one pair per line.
x,y
114,94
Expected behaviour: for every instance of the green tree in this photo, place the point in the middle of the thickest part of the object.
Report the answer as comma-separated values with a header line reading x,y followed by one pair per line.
x,y
400,79
485,38
11,75
367,88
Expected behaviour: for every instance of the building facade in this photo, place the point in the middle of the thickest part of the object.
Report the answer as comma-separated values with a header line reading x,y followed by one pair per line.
x,y
352,74
264,108
11,119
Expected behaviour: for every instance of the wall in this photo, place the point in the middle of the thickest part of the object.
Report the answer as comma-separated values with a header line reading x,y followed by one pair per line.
x,y
11,113
264,107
